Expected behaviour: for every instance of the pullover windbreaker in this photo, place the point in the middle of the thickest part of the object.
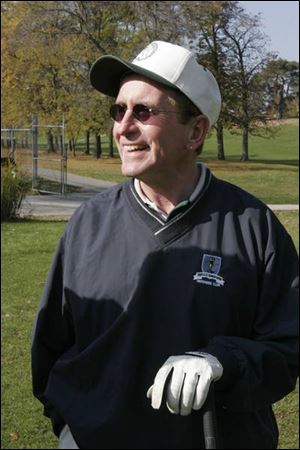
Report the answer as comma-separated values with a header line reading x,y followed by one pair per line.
x,y
126,290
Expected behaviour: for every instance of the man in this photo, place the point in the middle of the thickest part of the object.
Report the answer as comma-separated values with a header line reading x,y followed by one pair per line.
x,y
167,283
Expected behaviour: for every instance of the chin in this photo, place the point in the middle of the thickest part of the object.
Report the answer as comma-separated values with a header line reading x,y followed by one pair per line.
x,y
131,170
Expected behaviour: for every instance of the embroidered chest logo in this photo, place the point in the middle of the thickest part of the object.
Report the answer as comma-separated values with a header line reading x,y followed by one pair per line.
x,y
210,266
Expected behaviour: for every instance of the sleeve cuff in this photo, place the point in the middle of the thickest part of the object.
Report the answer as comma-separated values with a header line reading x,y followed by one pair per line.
x,y
228,360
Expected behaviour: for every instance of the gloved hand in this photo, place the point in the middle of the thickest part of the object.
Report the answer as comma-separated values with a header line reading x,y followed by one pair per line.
x,y
188,385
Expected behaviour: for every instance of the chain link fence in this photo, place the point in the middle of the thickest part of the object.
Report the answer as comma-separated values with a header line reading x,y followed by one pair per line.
x,y
40,151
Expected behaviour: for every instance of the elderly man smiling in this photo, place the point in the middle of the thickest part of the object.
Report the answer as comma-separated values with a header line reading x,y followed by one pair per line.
x,y
167,283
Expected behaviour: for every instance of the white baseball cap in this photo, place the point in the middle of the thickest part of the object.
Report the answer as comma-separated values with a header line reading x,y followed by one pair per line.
x,y
168,64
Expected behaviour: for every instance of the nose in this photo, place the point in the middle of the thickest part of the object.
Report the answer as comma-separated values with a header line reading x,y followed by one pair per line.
x,y
127,124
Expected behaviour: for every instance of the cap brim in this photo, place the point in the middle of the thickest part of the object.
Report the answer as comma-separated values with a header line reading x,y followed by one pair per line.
x,y
107,72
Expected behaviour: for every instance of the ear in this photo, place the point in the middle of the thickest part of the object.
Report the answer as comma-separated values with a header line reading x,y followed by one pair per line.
x,y
199,129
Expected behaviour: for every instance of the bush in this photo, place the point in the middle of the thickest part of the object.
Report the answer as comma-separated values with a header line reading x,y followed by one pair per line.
x,y
14,185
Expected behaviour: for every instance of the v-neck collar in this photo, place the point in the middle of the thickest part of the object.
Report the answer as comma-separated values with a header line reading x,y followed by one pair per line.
x,y
163,231
180,207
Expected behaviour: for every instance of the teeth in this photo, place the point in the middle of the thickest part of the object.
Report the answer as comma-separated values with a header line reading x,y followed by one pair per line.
x,y
132,148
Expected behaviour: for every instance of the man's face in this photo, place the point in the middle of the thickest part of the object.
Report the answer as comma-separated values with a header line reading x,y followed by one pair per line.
x,y
163,137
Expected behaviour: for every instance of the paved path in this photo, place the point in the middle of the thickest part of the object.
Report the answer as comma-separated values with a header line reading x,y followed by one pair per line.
x,y
284,207
76,180
63,206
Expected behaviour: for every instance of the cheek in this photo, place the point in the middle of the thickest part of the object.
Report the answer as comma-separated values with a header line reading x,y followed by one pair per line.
x,y
171,138
162,135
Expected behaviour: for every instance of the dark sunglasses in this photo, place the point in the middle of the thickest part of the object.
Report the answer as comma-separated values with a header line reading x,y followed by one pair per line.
x,y
140,112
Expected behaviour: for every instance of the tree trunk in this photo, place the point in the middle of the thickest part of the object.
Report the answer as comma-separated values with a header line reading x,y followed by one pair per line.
x,y
73,147
281,105
87,142
220,139
245,152
56,145
61,147
98,150
50,141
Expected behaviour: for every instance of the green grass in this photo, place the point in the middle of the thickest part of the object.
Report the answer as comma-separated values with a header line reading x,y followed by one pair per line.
x,y
27,250
272,173
273,185
282,148
290,220
287,415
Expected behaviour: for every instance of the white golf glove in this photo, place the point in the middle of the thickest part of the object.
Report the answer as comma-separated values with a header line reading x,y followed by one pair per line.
x,y
189,383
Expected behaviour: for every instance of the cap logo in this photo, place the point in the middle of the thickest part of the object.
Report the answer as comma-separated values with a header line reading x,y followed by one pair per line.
x,y
147,52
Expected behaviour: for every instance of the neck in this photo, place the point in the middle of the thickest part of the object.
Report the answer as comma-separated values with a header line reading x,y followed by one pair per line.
x,y
169,191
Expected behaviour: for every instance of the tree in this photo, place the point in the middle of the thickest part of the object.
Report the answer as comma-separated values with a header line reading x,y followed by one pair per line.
x,y
246,57
157,20
34,74
49,49
281,81
211,45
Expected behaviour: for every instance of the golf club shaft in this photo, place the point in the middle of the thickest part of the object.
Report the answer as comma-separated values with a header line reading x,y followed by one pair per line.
x,y
209,420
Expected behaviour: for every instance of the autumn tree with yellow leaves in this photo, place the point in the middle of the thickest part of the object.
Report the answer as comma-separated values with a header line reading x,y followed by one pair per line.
x,y
48,49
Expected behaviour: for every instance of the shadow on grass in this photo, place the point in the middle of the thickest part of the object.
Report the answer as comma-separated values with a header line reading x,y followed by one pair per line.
x,y
286,162
36,219
46,185
232,163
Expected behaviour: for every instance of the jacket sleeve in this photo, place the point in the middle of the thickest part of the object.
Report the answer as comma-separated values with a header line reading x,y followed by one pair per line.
x,y
261,369
52,334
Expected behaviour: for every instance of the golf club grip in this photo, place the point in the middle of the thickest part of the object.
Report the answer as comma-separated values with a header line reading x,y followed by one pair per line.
x,y
209,420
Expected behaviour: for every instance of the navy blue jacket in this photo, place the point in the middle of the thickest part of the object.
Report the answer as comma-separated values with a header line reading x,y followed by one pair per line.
x,y
127,290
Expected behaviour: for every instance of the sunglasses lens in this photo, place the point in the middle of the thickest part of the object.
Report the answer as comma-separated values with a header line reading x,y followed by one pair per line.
x,y
141,112
117,112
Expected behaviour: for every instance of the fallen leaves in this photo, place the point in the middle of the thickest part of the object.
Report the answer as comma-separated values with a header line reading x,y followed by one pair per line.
x,y
14,436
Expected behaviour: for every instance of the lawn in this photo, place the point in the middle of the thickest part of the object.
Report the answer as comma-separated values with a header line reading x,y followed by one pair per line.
x,y
281,148
272,174
27,249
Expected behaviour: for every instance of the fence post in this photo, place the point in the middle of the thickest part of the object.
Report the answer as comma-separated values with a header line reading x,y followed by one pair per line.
x,y
34,149
13,146
63,159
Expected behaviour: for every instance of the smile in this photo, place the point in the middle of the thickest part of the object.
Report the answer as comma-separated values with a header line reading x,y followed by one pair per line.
x,y
134,148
